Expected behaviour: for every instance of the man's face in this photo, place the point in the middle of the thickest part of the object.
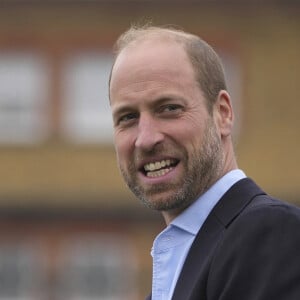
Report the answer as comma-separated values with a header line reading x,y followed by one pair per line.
x,y
167,145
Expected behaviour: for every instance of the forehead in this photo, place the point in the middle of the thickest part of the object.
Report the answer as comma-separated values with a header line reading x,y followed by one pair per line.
x,y
152,58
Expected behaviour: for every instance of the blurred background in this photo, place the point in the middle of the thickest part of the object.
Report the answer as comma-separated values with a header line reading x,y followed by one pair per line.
x,y
69,229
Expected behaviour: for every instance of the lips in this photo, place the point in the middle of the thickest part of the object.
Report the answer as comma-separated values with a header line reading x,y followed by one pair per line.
x,y
159,168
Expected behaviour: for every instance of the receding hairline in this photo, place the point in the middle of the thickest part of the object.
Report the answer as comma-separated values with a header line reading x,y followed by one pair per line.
x,y
207,65
139,34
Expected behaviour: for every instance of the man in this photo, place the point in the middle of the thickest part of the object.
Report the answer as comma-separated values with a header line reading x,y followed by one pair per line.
x,y
225,238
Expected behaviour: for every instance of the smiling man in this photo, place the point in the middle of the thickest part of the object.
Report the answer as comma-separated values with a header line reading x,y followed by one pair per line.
x,y
173,121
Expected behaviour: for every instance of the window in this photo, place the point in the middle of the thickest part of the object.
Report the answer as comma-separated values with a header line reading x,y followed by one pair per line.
x,y
23,98
86,116
96,267
21,275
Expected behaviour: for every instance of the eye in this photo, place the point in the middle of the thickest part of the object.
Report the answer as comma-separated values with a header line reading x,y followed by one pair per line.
x,y
127,118
169,108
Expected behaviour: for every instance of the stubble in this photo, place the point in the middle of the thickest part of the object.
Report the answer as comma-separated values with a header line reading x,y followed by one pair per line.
x,y
202,169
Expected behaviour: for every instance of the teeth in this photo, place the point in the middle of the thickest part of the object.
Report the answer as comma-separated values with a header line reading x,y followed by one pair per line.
x,y
157,165
150,167
159,172
158,168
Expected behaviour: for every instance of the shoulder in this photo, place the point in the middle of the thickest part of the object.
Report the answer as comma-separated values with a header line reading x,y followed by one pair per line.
x,y
262,242
267,211
266,228
265,216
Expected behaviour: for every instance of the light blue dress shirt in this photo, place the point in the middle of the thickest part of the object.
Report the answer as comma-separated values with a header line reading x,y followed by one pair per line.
x,y
171,246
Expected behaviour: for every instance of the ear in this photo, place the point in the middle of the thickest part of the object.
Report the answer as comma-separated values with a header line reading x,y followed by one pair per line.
x,y
223,114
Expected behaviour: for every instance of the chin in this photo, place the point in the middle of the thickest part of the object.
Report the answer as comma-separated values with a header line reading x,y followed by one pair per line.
x,y
165,203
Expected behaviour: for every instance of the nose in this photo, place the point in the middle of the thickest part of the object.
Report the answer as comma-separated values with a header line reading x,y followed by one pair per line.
x,y
149,133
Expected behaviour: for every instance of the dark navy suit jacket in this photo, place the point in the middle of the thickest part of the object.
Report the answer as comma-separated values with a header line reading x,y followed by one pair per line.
x,y
247,249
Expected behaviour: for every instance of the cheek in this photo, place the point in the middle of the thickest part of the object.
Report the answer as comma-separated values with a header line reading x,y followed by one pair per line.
x,y
191,138
123,147
187,132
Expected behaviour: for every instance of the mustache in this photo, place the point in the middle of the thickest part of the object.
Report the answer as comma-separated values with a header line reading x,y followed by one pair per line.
x,y
157,150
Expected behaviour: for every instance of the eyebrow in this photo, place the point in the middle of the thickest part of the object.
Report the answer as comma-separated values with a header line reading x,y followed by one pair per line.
x,y
122,109
161,100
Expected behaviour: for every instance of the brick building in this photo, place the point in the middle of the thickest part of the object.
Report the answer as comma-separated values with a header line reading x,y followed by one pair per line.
x,y
69,229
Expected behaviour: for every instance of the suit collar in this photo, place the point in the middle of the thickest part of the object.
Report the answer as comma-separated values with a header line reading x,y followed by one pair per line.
x,y
228,208
235,200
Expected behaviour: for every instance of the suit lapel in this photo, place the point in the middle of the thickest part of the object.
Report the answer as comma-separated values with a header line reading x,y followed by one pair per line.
x,y
196,266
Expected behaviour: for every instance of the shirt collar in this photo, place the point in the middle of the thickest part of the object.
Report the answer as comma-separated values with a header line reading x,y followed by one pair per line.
x,y
192,218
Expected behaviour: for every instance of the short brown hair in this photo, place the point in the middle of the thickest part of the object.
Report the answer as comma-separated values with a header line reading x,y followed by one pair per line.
x,y
205,61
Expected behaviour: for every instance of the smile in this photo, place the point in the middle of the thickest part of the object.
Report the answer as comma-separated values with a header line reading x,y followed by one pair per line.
x,y
159,168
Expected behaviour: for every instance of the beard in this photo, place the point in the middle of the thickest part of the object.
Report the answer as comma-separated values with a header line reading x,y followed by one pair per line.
x,y
202,169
